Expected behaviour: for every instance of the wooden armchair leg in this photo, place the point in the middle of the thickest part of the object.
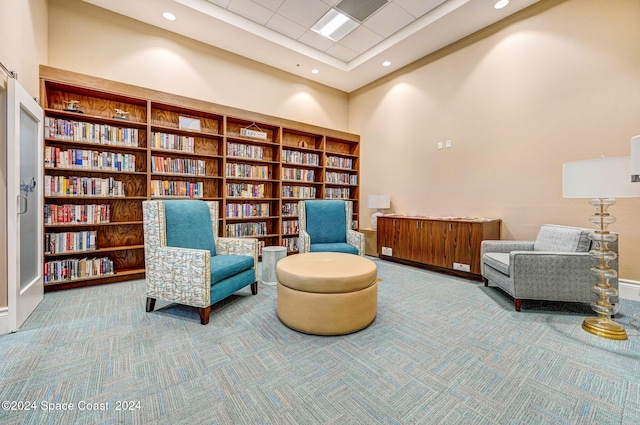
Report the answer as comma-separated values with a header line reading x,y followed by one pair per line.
x,y
254,288
151,304
518,303
205,312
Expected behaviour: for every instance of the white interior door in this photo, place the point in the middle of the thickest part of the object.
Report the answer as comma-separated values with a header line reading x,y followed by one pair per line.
x,y
24,204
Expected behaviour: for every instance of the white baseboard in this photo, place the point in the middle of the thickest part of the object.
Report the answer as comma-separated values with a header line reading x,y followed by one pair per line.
x,y
629,289
4,320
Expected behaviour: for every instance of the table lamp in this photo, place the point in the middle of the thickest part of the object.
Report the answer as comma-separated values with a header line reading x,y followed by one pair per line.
x,y
378,202
601,180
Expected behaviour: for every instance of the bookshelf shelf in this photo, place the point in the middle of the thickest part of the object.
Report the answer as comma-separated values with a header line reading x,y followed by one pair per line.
x,y
243,160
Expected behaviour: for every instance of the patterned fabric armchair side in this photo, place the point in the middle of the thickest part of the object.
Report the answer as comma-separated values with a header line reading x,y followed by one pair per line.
x,y
325,225
554,267
187,263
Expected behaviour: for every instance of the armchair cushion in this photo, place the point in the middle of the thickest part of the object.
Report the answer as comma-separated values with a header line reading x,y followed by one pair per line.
x,y
333,247
225,266
326,221
498,260
194,233
554,238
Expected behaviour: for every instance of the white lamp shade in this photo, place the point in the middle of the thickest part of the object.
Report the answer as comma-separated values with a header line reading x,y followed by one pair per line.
x,y
598,178
635,155
379,201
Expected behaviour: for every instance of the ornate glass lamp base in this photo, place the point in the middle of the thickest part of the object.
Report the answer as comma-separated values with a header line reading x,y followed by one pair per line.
x,y
604,327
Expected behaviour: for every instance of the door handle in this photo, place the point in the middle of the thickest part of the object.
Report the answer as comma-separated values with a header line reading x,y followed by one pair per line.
x,y
26,204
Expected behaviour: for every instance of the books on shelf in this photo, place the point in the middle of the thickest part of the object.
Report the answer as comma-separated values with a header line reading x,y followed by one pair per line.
x,y
247,171
245,190
246,229
161,164
88,160
56,243
339,162
173,188
240,150
77,131
77,214
341,178
248,210
289,208
291,244
290,227
173,142
289,191
299,174
74,268
337,193
83,186
302,158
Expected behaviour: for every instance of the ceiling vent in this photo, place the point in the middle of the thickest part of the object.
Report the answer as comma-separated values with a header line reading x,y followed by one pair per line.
x,y
360,10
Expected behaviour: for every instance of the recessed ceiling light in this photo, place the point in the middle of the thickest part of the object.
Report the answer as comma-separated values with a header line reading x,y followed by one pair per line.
x,y
334,25
315,71
386,63
500,4
169,16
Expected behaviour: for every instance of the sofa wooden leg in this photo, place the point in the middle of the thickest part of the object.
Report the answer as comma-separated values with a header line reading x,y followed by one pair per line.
x,y
151,304
486,281
254,288
204,314
518,303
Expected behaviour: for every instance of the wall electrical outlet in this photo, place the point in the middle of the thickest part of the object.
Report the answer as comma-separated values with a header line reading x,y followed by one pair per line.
x,y
447,144
387,251
461,267
439,145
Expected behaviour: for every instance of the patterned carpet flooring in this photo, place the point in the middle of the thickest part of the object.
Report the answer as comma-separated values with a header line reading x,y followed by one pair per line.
x,y
442,350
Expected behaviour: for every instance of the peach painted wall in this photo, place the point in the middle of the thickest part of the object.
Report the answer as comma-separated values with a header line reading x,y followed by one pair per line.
x,y
558,82
105,44
23,46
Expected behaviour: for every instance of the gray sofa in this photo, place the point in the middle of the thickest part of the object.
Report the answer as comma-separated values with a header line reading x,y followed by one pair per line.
x,y
554,267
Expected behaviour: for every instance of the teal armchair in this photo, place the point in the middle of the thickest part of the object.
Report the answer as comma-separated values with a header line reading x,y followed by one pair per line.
x,y
325,225
185,260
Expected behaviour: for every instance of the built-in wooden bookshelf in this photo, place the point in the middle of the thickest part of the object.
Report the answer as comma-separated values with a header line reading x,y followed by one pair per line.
x,y
100,164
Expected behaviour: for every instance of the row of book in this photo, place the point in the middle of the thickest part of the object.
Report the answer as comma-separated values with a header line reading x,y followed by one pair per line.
x,y
173,142
300,174
83,186
78,131
343,178
245,190
339,162
298,191
290,208
177,188
291,244
246,229
245,151
337,193
304,158
196,167
74,269
56,243
290,227
88,159
248,171
77,214
247,210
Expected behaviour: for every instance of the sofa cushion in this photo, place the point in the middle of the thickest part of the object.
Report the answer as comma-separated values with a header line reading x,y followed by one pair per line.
x,y
326,221
225,266
497,260
333,247
188,225
562,239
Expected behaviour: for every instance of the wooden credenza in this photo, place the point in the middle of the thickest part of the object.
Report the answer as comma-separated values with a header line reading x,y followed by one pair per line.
x,y
449,245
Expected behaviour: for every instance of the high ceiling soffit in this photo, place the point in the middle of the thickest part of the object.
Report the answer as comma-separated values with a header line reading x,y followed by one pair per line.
x,y
279,33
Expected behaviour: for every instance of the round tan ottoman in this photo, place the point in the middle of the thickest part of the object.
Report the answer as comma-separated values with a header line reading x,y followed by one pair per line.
x,y
327,293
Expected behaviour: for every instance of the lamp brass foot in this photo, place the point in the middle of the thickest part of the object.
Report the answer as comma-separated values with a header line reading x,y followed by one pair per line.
x,y
604,327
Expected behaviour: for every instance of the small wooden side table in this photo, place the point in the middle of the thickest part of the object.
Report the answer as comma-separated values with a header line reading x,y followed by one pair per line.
x,y
370,242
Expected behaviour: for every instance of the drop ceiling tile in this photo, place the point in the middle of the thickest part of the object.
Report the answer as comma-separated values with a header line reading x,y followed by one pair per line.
x,y
417,8
303,12
286,27
315,40
251,10
361,39
341,52
221,3
272,5
332,2
388,20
